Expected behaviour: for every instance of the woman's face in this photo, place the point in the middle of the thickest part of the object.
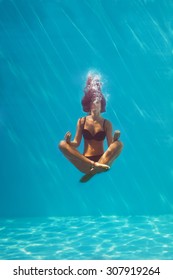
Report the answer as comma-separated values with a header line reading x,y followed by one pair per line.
x,y
96,106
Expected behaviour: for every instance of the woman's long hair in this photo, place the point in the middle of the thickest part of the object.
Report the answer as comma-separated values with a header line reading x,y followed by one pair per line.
x,y
93,92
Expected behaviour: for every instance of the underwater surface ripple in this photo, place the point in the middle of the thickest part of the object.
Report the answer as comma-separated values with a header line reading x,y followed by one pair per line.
x,y
90,238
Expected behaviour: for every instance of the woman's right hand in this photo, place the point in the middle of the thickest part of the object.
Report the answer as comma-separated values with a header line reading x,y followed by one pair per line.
x,y
68,137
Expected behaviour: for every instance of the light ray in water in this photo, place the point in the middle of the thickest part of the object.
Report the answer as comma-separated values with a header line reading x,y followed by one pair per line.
x,y
49,39
144,48
77,28
104,21
157,28
46,56
65,43
138,109
49,62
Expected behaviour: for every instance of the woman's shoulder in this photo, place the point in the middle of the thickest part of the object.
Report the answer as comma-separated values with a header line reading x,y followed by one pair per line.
x,y
81,120
107,123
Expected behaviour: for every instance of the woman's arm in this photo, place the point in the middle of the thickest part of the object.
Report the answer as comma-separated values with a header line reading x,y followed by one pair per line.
x,y
77,139
109,137
108,127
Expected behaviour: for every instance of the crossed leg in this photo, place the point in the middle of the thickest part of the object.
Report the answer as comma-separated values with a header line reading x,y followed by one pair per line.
x,y
82,163
87,166
111,153
107,158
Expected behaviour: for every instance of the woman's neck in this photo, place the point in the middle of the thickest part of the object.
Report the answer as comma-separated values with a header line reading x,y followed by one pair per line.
x,y
95,116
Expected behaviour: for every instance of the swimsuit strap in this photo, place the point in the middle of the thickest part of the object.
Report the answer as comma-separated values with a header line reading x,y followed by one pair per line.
x,y
83,124
104,124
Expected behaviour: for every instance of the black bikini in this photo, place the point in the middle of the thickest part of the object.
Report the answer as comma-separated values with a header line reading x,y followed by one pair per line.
x,y
99,136
94,158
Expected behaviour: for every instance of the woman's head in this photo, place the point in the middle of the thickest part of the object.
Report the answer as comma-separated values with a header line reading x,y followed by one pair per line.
x,y
93,93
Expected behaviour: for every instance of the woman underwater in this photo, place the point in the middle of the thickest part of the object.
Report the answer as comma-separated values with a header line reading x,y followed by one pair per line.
x,y
94,130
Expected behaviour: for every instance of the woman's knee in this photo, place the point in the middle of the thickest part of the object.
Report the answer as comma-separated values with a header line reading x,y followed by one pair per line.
x,y
117,146
120,145
62,145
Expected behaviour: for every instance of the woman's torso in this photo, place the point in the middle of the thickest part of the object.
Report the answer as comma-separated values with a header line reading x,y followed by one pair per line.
x,y
94,135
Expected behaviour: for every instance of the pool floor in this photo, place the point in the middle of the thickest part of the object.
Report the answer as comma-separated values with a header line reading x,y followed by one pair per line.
x,y
89,238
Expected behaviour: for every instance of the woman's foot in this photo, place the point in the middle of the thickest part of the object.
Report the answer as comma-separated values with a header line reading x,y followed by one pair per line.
x,y
95,168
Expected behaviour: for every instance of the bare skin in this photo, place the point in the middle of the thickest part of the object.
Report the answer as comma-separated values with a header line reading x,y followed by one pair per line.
x,y
94,123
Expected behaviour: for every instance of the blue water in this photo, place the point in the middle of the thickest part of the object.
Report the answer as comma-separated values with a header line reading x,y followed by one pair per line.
x,y
46,49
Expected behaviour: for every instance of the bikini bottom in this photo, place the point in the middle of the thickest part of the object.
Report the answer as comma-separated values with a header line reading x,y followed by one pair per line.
x,y
94,158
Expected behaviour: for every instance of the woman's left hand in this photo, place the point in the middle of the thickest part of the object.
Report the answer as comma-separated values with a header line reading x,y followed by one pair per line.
x,y
68,137
116,135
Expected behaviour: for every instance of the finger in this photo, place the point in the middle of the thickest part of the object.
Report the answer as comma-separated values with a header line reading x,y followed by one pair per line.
x,y
67,134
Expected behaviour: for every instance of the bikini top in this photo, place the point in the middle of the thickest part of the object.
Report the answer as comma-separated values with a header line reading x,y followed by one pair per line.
x,y
99,136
